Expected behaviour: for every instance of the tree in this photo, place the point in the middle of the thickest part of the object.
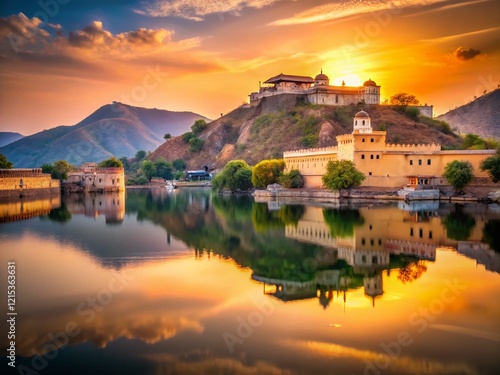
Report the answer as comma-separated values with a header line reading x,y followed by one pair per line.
x,y
163,169
5,163
292,180
458,174
236,175
199,126
148,169
403,98
139,155
59,170
111,163
167,136
267,172
492,166
179,164
196,144
342,174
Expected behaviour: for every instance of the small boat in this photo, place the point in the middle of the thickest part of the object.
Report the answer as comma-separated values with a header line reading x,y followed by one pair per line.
x,y
170,186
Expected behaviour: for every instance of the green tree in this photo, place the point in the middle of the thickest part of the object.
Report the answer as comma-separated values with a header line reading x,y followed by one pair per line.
x,y
236,175
167,136
4,163
179,164
163,169
60,170
139,155
492,166
342,174
148,169
267,172
458,173
186,137
47,168
473,142
111,163
292,180
196,144
403,98
199,126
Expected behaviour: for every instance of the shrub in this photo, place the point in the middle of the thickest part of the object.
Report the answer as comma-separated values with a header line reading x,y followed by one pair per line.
x,y
111,163
5,163
141,180
267,172
199,126
186,137
412,113
492,166
292,180
342,174
310,140
196,144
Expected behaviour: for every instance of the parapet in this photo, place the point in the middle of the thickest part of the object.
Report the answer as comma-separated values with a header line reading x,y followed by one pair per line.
x,y
413,147
310,152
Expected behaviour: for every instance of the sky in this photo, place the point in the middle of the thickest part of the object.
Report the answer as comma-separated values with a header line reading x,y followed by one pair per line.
x,y
60,60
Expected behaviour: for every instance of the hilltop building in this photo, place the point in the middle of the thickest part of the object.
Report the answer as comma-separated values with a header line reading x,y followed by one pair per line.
x,y
383,164
92,178
318,90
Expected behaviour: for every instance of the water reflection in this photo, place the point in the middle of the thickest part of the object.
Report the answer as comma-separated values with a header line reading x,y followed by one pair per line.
x,y
160,290
27,207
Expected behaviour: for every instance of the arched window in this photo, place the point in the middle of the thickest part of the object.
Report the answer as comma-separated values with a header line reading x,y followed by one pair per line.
x,y
21,182
363,122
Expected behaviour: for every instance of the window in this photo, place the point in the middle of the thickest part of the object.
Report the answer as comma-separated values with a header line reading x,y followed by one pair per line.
x,y
362,156
371,156
419,161
362,140
363,258
100,180
363,241
428,161
380,242
363,122
430,235
411,162
420,233
372,140
371,227
374,259
411,232
372,242
378,157
369,173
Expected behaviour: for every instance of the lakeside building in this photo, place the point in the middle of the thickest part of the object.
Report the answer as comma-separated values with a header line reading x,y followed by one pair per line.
x,y
20,182
318,90
92,178
383,164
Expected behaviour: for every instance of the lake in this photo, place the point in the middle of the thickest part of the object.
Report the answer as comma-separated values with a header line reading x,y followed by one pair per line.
x,y
186,282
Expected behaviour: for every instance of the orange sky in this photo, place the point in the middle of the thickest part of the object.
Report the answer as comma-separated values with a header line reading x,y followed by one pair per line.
x,y
58,66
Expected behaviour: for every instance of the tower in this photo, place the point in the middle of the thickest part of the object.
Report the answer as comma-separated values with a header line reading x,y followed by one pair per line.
x,y
362,123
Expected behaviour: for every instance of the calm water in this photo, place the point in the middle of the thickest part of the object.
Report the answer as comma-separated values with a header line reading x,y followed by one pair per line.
x,y
189,283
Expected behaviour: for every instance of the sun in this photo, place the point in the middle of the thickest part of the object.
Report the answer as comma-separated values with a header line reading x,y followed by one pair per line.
x,y
349,80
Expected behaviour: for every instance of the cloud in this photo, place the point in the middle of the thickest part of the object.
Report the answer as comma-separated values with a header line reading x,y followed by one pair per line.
x,y
465,54
17,31
349,8
197,9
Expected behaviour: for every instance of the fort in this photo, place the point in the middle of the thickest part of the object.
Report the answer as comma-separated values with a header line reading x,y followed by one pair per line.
x,y
384,165
26,182
319,91
91,178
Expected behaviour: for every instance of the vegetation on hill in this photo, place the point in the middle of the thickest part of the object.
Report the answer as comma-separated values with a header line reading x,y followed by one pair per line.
x,y
287,122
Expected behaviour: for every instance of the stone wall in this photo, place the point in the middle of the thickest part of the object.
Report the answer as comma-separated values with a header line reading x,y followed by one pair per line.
x,y
25,183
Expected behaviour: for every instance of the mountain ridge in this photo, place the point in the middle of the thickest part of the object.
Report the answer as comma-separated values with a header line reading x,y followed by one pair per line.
x,y
112,130
9,137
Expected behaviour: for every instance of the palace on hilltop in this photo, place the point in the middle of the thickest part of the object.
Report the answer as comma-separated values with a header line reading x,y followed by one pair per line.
x,y
383,164
318,90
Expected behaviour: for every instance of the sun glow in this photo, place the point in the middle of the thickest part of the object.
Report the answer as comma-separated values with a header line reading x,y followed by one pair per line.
x,y
349,80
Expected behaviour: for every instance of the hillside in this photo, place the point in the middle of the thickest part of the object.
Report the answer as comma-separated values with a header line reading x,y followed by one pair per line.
x,y
481,117
9,137
113,130
285,122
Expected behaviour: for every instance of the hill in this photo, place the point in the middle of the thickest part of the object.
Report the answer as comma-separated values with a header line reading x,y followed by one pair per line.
x,y
482,116
286,122
113,130
9,137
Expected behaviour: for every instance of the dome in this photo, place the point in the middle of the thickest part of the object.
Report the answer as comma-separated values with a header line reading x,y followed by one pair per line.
x,y
321,77
370,83
361,114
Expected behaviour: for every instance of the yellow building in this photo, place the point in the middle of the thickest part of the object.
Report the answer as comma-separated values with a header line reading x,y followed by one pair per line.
x,y
383,164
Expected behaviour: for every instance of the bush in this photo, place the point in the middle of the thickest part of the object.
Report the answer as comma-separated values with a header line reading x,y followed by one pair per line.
x,y
492,166
412,113
292,180
5,163
141,180
310,140
179,164
458,173
199,126
342,174
186,137
267,172
111,163
163,169
236,175
196,144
